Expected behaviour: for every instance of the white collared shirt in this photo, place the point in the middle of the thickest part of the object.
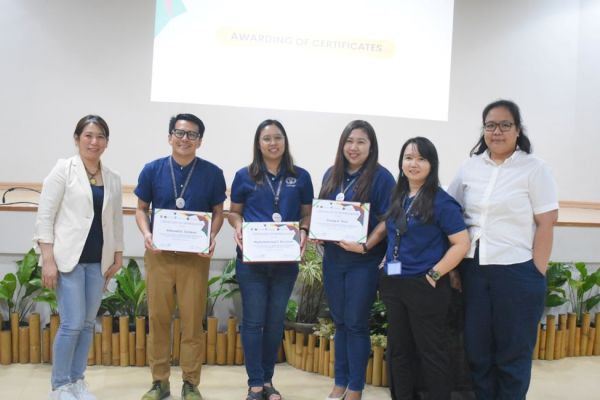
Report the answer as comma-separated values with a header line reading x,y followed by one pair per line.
x,y
499,203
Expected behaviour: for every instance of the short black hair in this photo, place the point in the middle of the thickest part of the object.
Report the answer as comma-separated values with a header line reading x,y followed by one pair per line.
x,y
187,117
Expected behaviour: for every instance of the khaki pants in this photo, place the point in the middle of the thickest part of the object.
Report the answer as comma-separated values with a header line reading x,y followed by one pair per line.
x,y
185,275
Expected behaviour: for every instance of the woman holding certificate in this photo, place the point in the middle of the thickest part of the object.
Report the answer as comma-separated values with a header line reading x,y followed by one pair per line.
x,y
351,279
270,190
79,230
426,239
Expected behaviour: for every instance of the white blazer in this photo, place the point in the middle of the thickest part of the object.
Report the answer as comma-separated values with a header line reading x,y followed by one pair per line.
x,y
66,211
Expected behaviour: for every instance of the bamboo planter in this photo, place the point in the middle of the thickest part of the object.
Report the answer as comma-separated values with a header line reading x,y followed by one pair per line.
x,y
560,338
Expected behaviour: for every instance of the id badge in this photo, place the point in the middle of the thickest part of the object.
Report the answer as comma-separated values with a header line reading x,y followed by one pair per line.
x,y
394,268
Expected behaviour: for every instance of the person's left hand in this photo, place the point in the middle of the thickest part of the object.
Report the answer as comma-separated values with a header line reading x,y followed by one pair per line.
x,y
108,275
211,249
431,281
354,247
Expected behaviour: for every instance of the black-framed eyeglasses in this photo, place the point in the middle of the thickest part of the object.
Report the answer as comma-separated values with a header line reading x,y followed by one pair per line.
x,y
504,126
180,133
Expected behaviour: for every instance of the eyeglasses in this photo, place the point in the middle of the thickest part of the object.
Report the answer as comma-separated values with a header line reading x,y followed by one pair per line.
x,y
180,133
504,126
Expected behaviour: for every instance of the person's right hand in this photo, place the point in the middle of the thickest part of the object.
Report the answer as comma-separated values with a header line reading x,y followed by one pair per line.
x,y
237,236
49,274
149,244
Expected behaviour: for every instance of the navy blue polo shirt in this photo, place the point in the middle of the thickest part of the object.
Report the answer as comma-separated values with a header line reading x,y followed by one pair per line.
x,y
205,190
379,199
423,245
258,198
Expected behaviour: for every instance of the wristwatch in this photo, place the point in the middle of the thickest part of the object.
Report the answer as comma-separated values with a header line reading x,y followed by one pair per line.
x,y
433,274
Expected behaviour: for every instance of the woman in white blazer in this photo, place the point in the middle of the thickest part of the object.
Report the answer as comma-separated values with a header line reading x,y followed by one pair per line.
x,y
79,230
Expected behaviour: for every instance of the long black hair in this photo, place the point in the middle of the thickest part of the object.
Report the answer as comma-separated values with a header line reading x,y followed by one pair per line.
x,y
257,167
423,206
365,181
523,142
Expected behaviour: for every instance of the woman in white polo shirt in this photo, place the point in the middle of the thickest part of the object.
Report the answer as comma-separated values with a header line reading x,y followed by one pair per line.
x,y
510,206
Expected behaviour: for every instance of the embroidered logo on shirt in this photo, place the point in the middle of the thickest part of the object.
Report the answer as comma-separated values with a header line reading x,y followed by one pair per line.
x,y
290,181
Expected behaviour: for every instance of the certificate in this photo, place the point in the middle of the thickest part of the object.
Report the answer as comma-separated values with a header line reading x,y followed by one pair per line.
x,y
333,220
179,230
271,241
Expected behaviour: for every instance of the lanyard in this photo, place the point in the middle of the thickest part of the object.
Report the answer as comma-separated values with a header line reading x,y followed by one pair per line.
x,y
275,194
179,201
342,194
402,224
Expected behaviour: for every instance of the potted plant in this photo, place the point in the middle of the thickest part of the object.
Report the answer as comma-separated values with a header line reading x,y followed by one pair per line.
x,y
226,287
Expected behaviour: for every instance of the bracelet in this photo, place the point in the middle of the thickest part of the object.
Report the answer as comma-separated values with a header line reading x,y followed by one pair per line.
x,y
305,229
365,248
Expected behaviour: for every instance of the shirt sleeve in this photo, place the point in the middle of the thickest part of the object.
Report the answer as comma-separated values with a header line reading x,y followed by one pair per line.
x,y
382,192
219,189
53,190
237,193
307,194
542,190
143,190
450,218
456,188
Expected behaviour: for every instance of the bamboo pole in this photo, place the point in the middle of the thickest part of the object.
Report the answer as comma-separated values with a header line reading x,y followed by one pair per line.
x,y
221,348
280,356
377,361
6,346
140,341
317,355
590,345
115,350
597,339
54,325
558,345
384,374
204,344
107,340
147,349
211,346
326,363
543,345
35,354
46,345
176,342
369,374
310,352
550,336
536,349
562,324
131,346
98,348
91,358
585,332
304,357
239,352
231,334
332,358
577,342
299,346
23,344
572,325
124,340
322,349
14,328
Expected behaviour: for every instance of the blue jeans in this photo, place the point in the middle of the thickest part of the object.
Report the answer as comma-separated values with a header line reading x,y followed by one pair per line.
x,y
79,295
266,289
351,289
503,305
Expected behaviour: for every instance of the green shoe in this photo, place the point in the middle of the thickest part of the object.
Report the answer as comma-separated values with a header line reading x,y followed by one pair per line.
x,y
190,392
158,391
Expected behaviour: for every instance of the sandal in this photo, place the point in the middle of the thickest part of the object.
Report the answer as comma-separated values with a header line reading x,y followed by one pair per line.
x,y
270,391
255,395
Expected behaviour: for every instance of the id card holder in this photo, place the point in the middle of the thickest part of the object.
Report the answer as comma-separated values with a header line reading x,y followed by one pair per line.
x,y
394,268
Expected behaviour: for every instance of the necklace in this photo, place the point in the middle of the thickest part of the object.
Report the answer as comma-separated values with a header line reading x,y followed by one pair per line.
x,y
92,176
179,200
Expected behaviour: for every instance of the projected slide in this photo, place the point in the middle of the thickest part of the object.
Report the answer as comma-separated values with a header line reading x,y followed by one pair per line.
x,y
376,57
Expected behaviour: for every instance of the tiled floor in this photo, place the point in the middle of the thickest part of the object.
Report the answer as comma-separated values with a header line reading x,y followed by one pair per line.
x,y
567,379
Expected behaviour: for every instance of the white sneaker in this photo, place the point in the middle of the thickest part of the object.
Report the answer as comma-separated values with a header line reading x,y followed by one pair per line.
x,y
65,392
80,390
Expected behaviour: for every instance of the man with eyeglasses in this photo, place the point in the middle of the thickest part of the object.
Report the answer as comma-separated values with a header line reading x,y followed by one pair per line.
x,y
180,181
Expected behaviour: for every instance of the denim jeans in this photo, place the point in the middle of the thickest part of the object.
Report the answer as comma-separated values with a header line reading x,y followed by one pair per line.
x,y
79,294
503,305
350,289
266,289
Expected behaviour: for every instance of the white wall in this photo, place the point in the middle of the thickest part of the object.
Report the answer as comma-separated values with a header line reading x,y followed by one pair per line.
x,y
62,59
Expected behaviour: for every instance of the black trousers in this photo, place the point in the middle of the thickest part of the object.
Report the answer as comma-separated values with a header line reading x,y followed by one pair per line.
x,y
417,335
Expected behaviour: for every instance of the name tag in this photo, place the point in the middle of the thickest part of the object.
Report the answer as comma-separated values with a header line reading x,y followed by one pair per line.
x,y
394,268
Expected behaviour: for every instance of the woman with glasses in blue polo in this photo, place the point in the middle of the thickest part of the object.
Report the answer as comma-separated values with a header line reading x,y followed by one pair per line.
x,y
350,279
270,189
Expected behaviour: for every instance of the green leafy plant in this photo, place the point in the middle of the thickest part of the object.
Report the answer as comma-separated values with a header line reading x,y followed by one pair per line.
x,y
379,340
378,318
291,311
226,286
557,275
48,296
129,298
325,328
19,289
311,302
